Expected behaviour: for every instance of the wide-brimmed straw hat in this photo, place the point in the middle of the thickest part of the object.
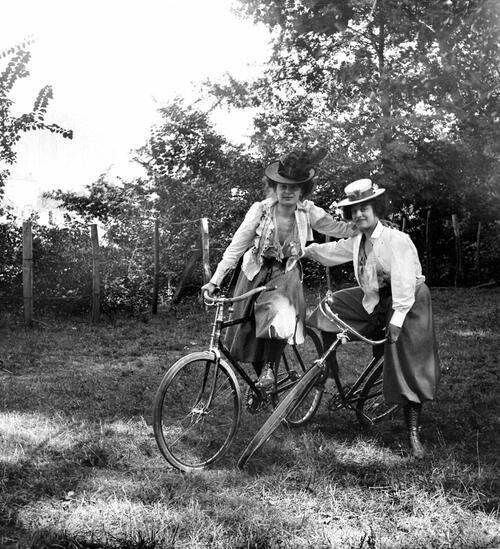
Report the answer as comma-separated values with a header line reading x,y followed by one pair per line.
x,y
360,191
296,167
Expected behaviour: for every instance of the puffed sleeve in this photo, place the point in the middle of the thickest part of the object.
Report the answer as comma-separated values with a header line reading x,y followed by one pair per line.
x,y
241,241
324,223
330,253
403,277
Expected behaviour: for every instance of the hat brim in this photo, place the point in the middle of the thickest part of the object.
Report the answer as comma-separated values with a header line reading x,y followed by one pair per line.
x,y
349,202
272,173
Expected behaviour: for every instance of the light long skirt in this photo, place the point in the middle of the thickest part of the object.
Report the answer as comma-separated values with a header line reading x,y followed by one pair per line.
x,y
241,338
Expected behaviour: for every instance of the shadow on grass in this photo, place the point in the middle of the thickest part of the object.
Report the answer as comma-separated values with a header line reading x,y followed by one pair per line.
x,y
47,538
28,480
44,483
100,383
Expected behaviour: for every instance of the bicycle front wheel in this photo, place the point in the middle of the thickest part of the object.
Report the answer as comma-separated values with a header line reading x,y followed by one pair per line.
x,y
286,407
371,407
197,411
294,362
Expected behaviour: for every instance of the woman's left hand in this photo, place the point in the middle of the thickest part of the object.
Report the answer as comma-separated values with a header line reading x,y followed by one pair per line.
x,y
392,332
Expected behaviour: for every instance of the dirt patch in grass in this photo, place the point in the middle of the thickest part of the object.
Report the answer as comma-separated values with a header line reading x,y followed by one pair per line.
x,y
79,465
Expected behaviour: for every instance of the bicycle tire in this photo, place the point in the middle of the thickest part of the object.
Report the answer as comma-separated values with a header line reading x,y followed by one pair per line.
x,y
284,408
298,359
371,407
189,435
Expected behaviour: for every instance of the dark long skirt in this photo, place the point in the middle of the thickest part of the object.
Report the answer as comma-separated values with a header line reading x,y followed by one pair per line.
x,y
241,339
411,365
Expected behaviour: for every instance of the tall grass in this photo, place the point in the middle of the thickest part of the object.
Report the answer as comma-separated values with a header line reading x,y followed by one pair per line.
x,y
79,467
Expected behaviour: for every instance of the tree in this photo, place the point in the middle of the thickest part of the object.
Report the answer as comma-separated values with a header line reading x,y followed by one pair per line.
x,y
405,92
12,127
375,80
191,172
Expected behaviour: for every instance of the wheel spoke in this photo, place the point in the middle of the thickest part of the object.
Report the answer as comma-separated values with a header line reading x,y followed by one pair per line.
x,y
194,419
371,407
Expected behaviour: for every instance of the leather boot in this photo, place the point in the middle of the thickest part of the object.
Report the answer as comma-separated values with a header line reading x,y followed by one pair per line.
x,y
266,379
412,415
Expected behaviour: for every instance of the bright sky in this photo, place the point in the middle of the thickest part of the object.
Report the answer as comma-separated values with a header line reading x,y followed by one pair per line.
x,y
111,64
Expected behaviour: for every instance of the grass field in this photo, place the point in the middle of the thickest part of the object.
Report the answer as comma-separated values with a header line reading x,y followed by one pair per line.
x,y
80,467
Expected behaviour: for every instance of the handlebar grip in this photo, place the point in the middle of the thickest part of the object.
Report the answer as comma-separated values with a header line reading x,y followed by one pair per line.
x,y
325,308
209,300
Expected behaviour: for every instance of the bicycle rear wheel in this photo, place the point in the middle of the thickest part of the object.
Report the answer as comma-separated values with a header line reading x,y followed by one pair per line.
x,y
371,407
196,412
286,407
295,361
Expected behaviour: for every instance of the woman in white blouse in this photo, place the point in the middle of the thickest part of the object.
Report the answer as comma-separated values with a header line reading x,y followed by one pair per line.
x,y
271,240
391,296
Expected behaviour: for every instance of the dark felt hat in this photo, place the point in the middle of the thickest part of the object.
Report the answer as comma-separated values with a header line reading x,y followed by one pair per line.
x,y
298,166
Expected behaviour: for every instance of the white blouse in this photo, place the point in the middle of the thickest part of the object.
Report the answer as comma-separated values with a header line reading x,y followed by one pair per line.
x,y
252,235
393,258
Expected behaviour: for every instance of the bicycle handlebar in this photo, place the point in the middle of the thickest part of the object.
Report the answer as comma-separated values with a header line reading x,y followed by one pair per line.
x,y
209,300
334,317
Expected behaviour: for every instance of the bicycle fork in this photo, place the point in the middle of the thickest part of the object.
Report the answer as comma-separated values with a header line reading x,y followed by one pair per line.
x,y
342,338
344,396
214,338
202,406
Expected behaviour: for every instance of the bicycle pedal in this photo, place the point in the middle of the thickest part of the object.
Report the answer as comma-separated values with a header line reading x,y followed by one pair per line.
x,y
254,403
335,403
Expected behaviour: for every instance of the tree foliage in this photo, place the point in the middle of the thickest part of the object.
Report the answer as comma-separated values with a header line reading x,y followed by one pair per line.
x,y
62,264
191,172
16,60
383,84
405,92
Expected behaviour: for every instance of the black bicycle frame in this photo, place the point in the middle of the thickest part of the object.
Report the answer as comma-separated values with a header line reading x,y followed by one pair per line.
x,y
217,347
346,397
236,364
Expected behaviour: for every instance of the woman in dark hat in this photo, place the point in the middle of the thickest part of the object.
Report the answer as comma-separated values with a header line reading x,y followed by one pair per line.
x,y
271,240
391,296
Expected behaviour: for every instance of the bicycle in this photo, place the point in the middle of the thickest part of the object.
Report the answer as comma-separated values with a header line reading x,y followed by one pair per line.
x,y
197,407
364,396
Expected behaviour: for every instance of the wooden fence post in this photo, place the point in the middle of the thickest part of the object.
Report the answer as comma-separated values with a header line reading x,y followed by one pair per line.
x,y
156,259
188,269
28,273
428,258
459,273
96,275
477,265
205,250
403,225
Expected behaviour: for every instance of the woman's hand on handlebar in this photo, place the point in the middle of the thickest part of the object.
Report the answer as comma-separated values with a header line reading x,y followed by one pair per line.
x,y
209,288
